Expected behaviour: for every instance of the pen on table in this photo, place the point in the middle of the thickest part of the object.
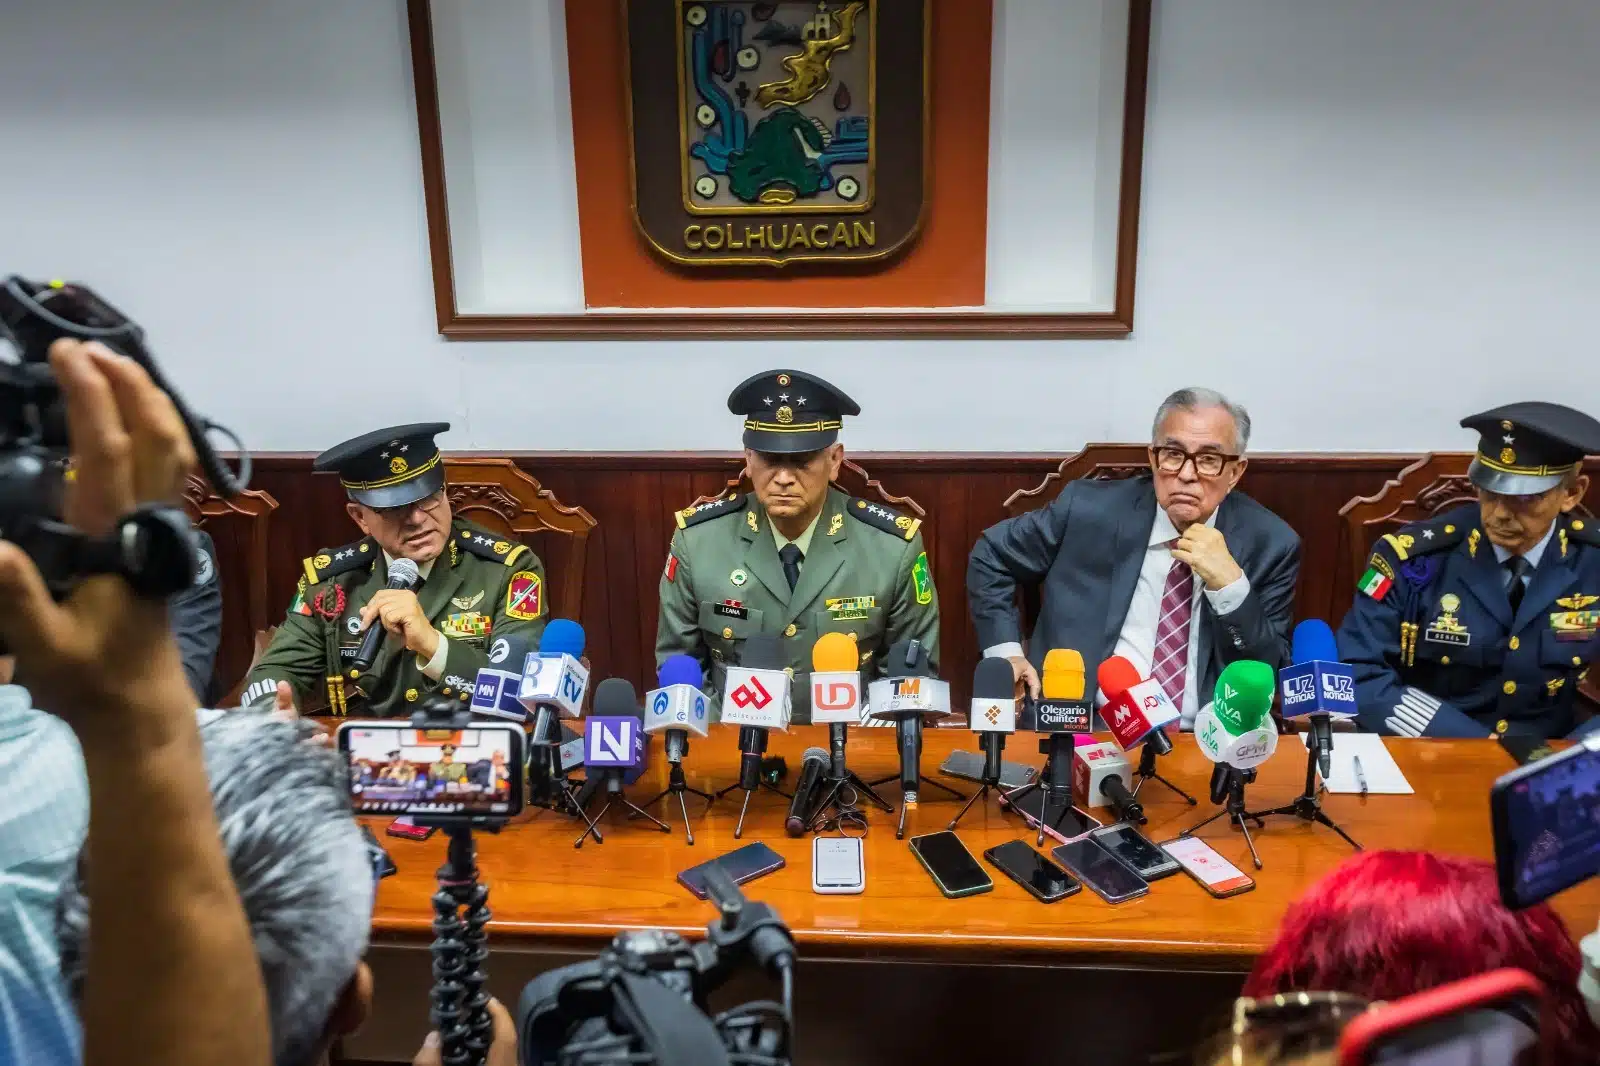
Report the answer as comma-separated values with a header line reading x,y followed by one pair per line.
x,y
1361,778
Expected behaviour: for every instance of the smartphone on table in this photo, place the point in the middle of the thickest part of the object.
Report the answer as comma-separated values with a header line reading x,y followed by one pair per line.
x,y
950,864
1135,849
1202,862
1043,879
1111,879
968,765
472,772
1066,821
741,864
838,866
1546,818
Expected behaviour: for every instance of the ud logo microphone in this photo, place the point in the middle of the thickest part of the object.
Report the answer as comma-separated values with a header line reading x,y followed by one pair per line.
x,y
836,703
613,745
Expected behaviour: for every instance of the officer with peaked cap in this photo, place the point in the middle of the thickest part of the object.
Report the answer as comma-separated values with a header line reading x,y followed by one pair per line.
x,y
796,557
476,586
1483,620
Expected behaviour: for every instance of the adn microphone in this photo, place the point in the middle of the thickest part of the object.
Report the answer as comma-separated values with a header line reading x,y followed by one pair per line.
x,y
495,691
1235,728
676,706
1136,708
756,699
403,574
613,746
835,691
813,767
1318,685
1101,777
994,713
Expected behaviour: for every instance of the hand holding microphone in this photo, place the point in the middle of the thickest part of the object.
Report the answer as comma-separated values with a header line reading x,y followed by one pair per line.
x,y
393,613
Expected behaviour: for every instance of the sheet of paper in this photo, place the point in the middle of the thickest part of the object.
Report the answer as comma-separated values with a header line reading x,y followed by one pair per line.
x,y
1377,765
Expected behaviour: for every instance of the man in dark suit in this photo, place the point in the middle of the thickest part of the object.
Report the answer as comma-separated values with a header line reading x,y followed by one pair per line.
x,y
1176,571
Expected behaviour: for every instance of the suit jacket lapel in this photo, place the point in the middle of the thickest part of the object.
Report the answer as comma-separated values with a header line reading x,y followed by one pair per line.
x,y
1549,580
1485,580
1127,554
823,560
761,551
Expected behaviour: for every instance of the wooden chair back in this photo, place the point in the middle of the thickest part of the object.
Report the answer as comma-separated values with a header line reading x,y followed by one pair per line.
x,y
1431,485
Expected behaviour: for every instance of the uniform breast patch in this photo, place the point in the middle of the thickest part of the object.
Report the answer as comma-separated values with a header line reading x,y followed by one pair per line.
x,y
524,596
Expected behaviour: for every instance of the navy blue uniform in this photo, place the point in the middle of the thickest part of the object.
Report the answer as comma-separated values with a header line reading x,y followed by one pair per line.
x,y
1437,651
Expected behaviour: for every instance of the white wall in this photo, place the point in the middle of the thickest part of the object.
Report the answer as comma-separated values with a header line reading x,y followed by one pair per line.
x,y
1384,210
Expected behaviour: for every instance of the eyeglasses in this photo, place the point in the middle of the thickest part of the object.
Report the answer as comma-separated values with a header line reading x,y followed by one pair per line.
x,y
1294,1022
427,503
1171,460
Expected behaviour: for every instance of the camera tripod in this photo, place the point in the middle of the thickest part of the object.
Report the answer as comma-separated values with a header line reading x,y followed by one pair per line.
x,y
1231,793
458,1005
677,786
1308,805
1147,771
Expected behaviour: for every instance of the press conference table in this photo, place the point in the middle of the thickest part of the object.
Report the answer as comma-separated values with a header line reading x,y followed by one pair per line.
x,y
556,903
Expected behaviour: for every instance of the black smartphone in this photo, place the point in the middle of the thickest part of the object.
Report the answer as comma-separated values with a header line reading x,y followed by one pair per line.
x,y
1547,824
968,765
1112,879
1043,879
742,864
1066,821
950,864
1128,844
395,769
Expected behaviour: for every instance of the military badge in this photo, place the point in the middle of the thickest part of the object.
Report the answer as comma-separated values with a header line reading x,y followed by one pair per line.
x,y
835,524
1577,601
524,596
670,571
1374,584
850,608
1447,628
731,609
1574,625
466,603
467,625
1381,565
738,577
770,133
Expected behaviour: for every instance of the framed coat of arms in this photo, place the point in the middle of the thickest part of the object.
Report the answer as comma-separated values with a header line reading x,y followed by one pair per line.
x,y
765,134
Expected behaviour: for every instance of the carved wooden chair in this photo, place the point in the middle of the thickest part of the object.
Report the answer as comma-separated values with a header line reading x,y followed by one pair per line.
x,y
499,495
238,527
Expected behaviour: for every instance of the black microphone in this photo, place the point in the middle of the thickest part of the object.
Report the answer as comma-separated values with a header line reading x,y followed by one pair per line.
x,y
813,766
1128,809
1220,779
994,712
403,574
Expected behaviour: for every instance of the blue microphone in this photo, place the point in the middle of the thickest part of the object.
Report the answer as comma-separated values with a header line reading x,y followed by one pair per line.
x,y
1318,685
494,693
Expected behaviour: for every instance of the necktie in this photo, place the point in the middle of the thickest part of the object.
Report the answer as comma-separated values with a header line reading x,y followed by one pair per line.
x,y
1518,568
1171,655
791,556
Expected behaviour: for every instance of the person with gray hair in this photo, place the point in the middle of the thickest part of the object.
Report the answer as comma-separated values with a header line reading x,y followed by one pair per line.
x,y
1175,571
303,872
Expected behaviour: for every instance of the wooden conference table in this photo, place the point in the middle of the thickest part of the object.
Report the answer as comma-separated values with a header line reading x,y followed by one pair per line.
x,y
1118,982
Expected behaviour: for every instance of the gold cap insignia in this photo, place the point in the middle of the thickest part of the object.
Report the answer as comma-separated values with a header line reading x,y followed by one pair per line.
x,y
785,414
1507,456
1507,426
783,379
398,465
322,562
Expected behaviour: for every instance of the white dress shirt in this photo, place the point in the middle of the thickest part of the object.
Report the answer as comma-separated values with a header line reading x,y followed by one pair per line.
x,y
1137,641
1533,555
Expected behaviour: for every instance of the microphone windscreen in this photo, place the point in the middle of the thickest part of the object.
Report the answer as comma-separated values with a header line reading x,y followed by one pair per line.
x,y
404,570
1116,676
562,636
615,695
1243,696
1313,640
907,658
835,653
993,680
1062,678
814,753
679,670
762,652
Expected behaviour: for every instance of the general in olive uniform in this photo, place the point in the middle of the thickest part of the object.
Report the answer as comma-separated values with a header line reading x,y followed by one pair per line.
x,y
1483,620
476,586
796,558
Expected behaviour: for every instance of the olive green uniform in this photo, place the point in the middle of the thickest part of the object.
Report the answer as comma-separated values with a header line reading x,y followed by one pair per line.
x,y
480,588
865,574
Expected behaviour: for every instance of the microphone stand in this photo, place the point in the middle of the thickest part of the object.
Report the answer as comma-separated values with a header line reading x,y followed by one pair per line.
x,y
1234,809
908,733
1147,771
752,745
990,781
1308,805
613,779
1054,785
835,799
676,785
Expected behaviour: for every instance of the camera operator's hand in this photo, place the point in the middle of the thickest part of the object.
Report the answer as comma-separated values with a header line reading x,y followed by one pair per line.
x,y
502,1052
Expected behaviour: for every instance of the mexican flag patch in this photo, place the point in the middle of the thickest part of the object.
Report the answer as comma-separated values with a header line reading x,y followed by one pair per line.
x,y
1374,584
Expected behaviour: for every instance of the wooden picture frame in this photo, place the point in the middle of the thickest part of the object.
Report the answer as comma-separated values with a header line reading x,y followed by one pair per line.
x,y
729,323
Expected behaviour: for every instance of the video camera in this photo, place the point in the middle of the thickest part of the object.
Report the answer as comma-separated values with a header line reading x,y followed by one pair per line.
x,y
644,1000
150,548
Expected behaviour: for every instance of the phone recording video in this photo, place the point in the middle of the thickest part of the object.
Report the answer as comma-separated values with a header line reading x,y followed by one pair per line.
x,y
1547,825
396,769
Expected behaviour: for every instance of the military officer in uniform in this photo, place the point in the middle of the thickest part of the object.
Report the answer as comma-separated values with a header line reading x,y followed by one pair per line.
x,y
796,558
476,587
1483,620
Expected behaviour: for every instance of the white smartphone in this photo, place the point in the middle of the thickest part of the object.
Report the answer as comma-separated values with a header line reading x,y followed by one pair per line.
x,y
838,866
1200,861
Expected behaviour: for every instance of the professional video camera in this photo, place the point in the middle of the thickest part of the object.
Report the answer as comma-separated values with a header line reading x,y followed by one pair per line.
x,y
150,548
643,1001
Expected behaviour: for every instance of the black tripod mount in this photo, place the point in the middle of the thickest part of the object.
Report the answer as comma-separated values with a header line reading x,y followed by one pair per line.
x,y
1308,805
1232,788
1147,772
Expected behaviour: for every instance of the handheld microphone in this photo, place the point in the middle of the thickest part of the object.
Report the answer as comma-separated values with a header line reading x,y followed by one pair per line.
x,y
495,691
835,692
554,679
1136,708
1318,685
403,574
1235,729
994,712
677,706
1061,707
813,766
1100,778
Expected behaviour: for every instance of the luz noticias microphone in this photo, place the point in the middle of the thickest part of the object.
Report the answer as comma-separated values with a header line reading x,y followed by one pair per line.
x,y
994,713
1318,685
813,767
676,706
1136,708
402,575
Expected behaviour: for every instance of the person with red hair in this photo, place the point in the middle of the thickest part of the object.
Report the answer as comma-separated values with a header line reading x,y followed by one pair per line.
x,y
1385,924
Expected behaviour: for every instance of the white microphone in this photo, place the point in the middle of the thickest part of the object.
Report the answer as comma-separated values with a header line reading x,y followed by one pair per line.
x,y
677,707
892,699
994,713
554,677
494,694
1136,708
755,697
1101,777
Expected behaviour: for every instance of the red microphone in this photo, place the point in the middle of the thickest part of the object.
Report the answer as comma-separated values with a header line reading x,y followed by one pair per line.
x,y
1136,708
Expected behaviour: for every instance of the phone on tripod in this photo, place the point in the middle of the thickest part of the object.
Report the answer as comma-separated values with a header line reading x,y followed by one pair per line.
x,y
1496,1017
1547,824
476,771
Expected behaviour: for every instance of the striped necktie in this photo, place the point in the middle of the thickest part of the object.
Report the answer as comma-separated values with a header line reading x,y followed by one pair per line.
x,y
1170,660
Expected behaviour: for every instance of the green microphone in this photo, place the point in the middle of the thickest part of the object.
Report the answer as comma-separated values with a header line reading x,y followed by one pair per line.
x,y
1236,728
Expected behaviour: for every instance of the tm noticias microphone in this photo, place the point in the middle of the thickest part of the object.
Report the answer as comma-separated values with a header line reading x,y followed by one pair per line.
x,y
678,707
993,717
907,695
756,699
403,574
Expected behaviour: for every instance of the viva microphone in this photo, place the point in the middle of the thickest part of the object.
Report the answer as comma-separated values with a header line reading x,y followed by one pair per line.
x,y
1235,729
403,574
835,692
1318,685
994,712
676,706
813,768
1101,777
1136,708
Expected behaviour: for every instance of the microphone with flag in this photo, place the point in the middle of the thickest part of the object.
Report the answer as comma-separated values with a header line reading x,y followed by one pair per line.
x,y
613,745
1318,686
677,707
403,574
755,698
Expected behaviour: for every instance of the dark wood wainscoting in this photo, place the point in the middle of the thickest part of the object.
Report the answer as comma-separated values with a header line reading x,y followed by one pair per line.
x,y
633,497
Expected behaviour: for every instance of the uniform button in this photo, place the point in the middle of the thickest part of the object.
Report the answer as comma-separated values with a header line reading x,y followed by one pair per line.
x,y
445,691
354,674
1515,643
1577,660
1501,726
1449,529
1577,523
465,696
727,633
1509,688
411,695
1444,660
792,630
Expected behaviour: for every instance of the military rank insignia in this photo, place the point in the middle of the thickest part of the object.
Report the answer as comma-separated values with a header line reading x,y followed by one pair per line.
x,y
771,133
1447,628
524,596
1574,625
922,578
466,625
